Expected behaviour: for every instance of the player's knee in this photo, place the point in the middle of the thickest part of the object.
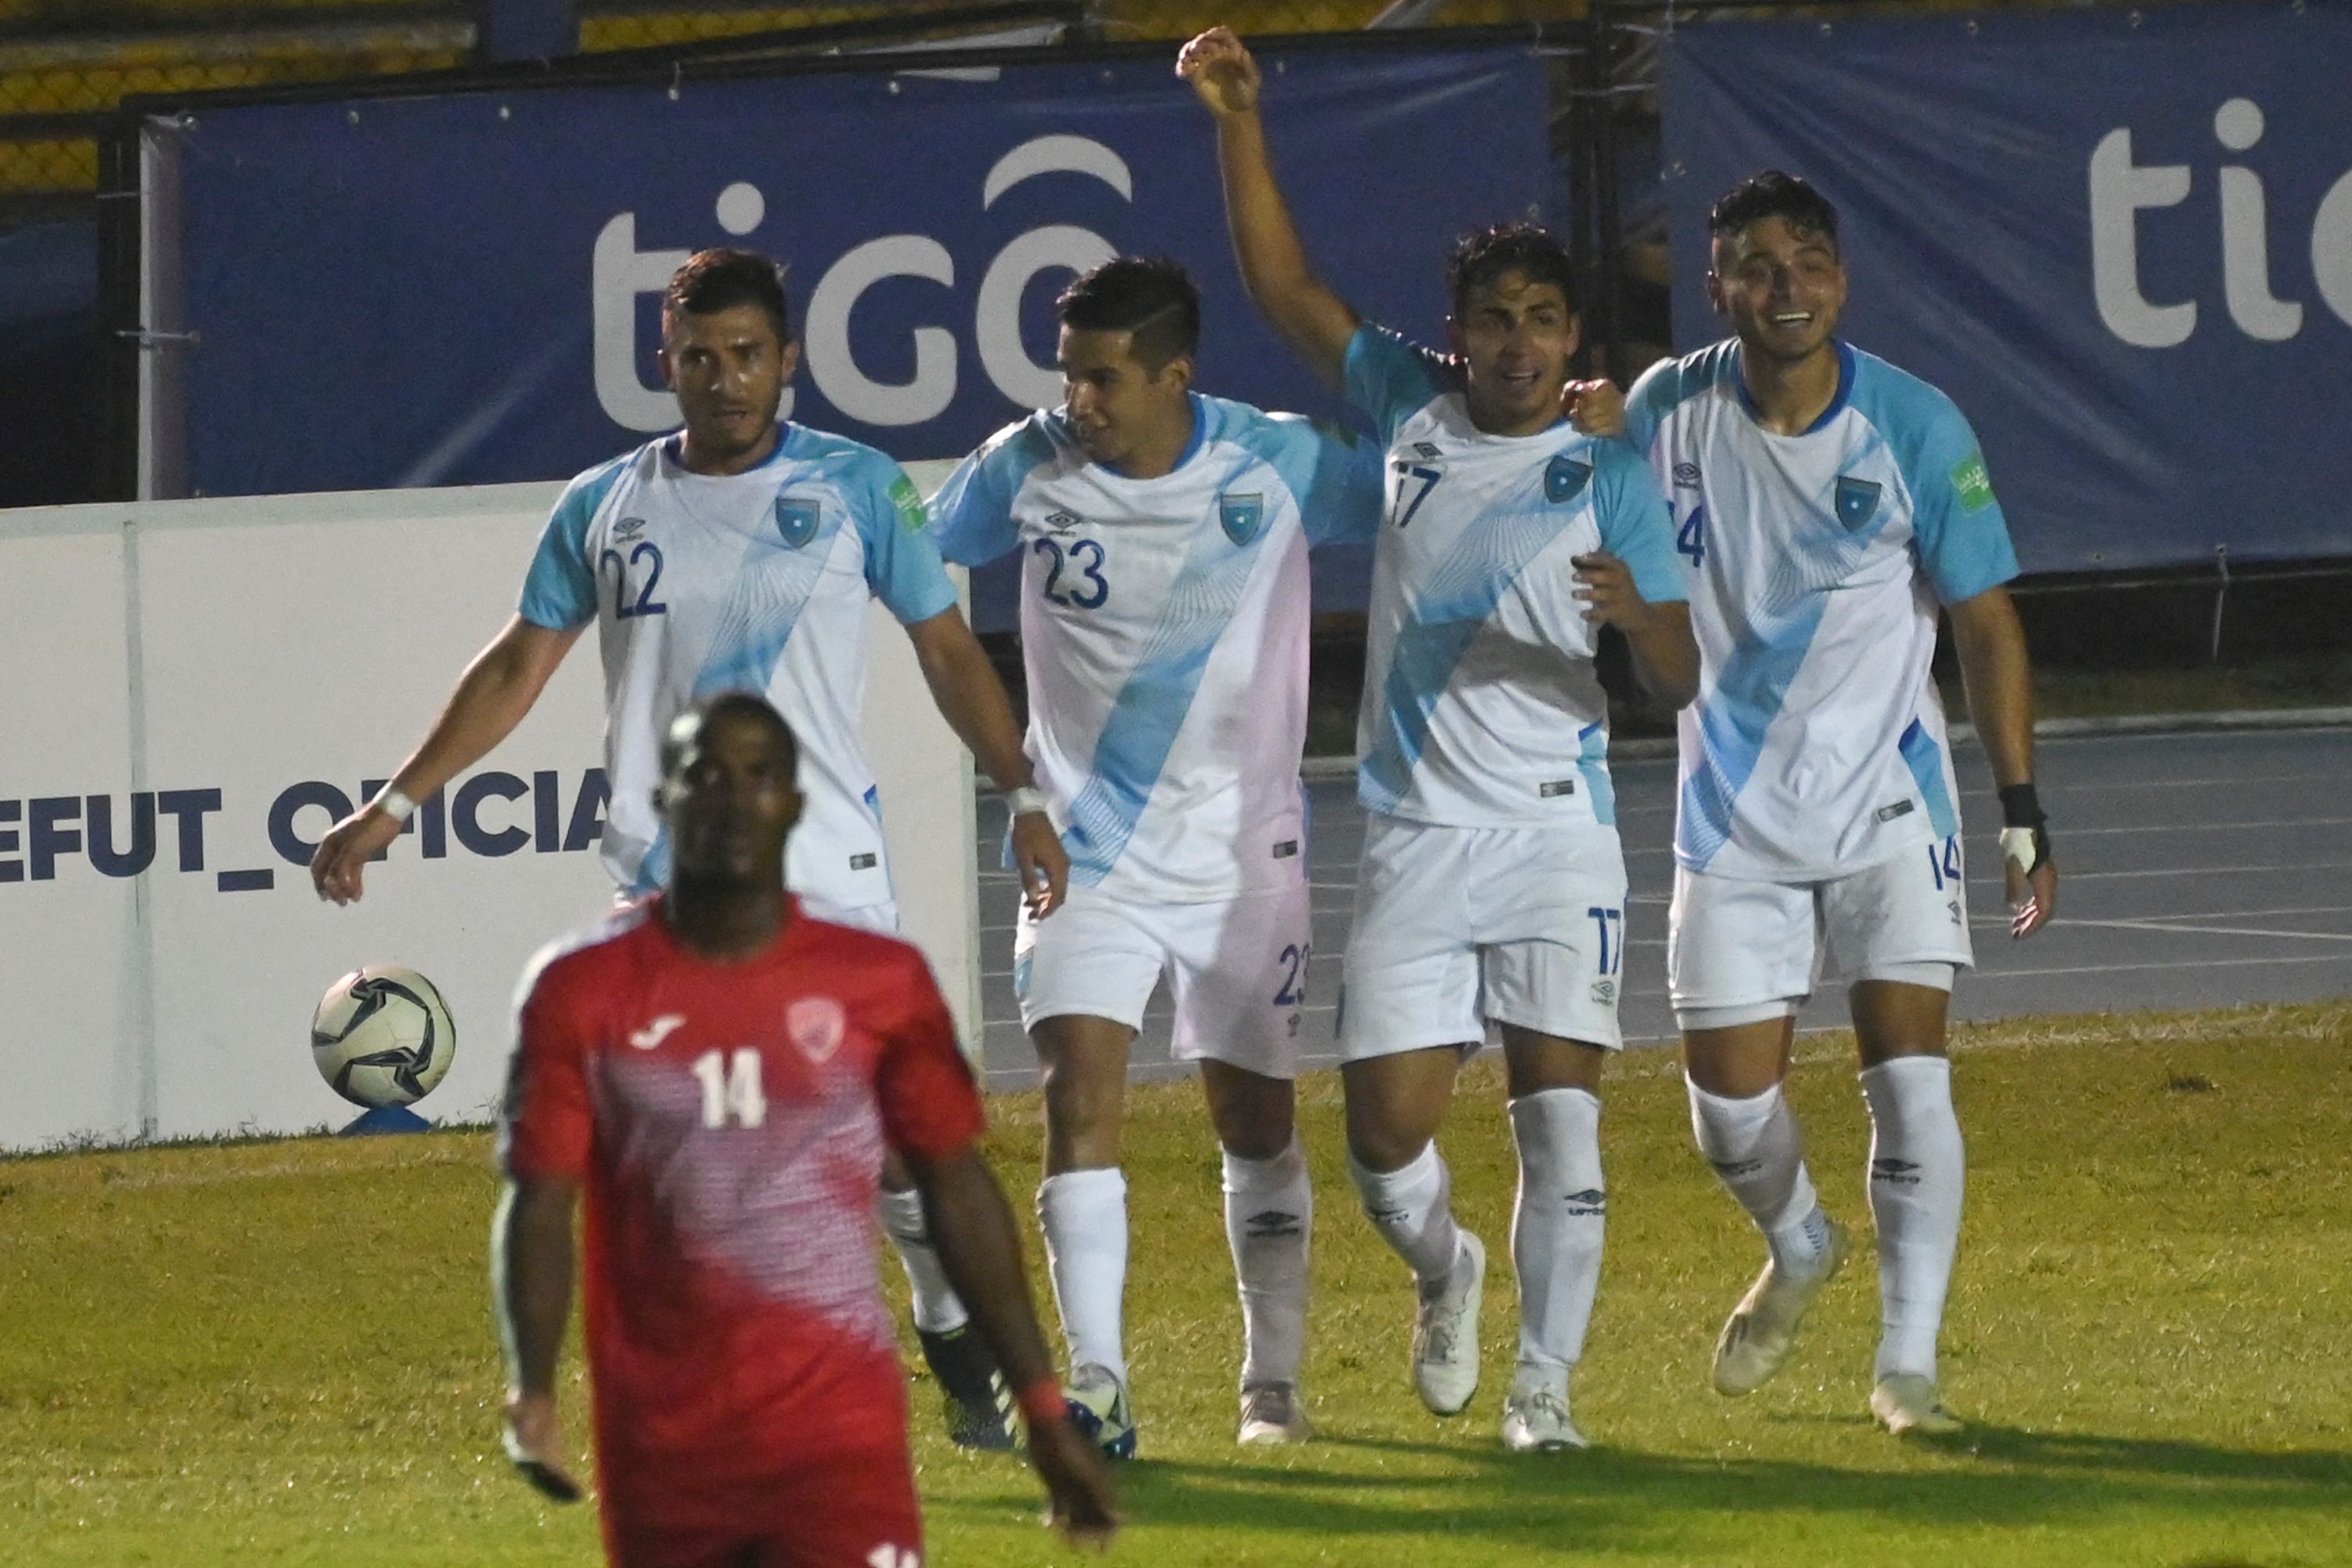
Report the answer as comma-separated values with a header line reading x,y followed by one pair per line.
x,y
1255,1117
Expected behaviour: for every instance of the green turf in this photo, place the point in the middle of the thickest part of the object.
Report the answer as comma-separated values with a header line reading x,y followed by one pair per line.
x,y
282,1353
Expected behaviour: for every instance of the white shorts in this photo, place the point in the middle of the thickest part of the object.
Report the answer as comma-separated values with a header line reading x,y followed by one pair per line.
x,y
1458,927
1236,970
1758,949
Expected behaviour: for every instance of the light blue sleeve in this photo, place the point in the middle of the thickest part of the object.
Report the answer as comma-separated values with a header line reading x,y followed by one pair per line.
x,y
1333,473
1393,379
1658,392
972,520
902,564
1956,524
559,591
1635,524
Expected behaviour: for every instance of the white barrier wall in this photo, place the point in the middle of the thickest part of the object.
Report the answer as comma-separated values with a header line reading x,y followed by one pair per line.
x,y
194,690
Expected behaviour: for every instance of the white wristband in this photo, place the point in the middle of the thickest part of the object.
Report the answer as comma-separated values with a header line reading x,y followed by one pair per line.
x,y
1026,800
395,805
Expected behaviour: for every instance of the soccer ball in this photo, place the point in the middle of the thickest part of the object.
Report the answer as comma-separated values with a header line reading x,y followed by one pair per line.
x,y
382,1037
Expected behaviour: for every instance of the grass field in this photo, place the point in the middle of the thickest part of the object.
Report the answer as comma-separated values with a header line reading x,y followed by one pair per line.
x,y
282,1353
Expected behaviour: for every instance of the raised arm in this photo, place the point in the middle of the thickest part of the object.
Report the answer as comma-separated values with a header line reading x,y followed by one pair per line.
x,y
497,690
1999,679
1302,308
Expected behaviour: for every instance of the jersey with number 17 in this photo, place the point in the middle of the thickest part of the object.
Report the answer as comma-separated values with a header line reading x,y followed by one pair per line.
x,y
754,581
1481,709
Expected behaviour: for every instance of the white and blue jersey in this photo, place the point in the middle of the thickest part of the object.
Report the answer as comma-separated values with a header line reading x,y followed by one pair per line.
x,y
1480,707
753,582
1817,563
1163,624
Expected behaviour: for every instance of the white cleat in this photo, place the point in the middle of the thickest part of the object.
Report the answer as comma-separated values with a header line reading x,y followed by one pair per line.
x,y
1535,1420
1097,1400
1273,1415
1904,1402
1762,1328
1445,1335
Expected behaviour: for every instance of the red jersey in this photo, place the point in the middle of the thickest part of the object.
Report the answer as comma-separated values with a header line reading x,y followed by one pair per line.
x,y
728,1121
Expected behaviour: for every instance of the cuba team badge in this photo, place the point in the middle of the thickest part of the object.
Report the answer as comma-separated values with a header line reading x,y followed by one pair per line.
x,y
1565,479
1857,503
796,520
1241,515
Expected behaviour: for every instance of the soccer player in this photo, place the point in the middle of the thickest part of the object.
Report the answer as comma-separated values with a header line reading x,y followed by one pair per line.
x,y
1163,538
720,1070
1829,505
742,553
1492,890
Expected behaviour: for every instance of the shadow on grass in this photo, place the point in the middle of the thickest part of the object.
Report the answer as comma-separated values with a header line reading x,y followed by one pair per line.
x,y
1606,1498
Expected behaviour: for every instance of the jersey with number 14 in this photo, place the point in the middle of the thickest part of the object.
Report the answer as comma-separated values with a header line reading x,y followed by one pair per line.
x,y
753,582
1480,705
1164,623
1817,562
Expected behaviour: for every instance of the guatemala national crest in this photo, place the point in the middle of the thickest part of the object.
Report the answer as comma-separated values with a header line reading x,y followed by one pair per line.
x,y
1857,503
796,520
1241,515
1565,479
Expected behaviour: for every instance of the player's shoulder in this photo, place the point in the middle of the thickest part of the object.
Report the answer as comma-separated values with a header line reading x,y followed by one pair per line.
x,y
1898,403
1674,381
1037,440
869,479
586,490
1275,435
578,957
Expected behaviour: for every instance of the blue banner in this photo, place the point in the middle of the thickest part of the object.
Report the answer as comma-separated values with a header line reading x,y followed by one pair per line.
x,y
2122,241
465,289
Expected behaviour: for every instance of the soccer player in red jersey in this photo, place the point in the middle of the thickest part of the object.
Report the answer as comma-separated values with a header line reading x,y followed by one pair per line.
x,y
722,1073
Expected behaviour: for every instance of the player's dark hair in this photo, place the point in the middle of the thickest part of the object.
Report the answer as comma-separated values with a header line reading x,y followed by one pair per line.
x,y
1774,193
720,280
726,708
1151,297
1529,248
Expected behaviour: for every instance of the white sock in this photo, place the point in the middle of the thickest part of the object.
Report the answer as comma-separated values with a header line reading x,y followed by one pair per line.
x,y
1412,1207
1756,1148
1917,1172
937,1309
1084,1216
1269,1215
1556,1229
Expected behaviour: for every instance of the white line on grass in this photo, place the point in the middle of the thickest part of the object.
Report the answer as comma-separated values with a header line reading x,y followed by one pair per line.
x,y
2168,924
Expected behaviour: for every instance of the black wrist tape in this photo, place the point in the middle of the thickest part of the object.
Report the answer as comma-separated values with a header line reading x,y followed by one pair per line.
x,y
2019,807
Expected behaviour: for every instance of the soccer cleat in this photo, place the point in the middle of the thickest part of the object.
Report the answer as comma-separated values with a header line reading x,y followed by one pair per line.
x,y
1762,1328
1272,1413
1535,1420
1445,1336
978,1405
1096,1401
1904,1402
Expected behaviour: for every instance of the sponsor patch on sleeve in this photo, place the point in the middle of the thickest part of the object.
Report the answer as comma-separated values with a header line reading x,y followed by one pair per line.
x,y
1973,484
909,502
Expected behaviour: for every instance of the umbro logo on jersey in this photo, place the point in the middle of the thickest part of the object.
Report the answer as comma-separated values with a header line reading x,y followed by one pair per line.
x,y
660,1029
629,527
1857,503
1242,516
1565,479
1556,787
1889,813
796,520
1426,452
1062,521
816,1024
1686,476
1897,1173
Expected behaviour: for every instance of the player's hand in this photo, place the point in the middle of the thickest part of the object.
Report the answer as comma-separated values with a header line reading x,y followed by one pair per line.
x,y
1606,586
534,1441
1084,1503
2033,895
1221,70
1040,863
1596,407
344,852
